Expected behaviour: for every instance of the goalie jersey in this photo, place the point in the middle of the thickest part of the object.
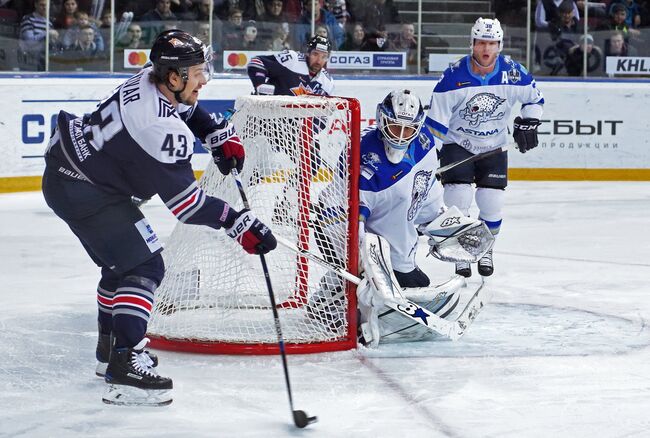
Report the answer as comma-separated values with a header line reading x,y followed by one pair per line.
x,y
289,73
394,198
136,144
475,110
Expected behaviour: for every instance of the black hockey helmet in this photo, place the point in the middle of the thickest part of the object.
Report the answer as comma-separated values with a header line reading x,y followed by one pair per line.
x,y
319,43
177,50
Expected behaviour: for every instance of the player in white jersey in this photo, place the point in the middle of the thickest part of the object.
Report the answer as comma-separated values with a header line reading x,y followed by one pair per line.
x,y
138,143
471,105
398,189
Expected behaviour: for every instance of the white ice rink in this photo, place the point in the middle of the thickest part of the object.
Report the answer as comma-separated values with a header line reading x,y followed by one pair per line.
x,y
562,350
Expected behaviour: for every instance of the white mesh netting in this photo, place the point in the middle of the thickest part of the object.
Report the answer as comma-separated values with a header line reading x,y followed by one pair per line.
x,y
296,175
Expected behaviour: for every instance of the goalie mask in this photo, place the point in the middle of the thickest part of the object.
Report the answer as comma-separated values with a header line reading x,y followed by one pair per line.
x,y
487,29
400,118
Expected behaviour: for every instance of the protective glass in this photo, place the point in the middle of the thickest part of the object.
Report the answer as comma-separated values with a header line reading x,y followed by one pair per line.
x,y
208,67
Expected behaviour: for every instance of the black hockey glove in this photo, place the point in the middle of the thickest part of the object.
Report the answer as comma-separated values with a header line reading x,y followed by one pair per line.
x,y
251,234
227,149
525,133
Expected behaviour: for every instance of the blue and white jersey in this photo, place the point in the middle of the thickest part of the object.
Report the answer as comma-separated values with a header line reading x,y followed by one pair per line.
x,y
474,111
137,144
289,73
394,198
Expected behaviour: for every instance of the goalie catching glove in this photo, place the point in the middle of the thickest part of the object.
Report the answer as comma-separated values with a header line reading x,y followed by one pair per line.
x,y
227,149
251,234
525,133
453,237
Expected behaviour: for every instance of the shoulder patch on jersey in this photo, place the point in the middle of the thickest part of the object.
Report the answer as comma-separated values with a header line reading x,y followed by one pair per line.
x,y
425,142
166,109
371,160
514,75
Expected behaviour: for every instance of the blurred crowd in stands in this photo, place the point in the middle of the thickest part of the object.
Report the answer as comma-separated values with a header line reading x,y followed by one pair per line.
x,y
80,30
613,28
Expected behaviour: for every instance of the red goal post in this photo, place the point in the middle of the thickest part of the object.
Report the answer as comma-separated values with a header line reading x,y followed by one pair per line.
x,y
301,176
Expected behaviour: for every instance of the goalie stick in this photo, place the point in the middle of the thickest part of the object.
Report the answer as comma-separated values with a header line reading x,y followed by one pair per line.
x,y
471,159
300,418
453,330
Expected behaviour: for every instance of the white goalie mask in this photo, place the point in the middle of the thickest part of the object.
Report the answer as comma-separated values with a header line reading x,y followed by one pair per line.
x,y
400,117
487,29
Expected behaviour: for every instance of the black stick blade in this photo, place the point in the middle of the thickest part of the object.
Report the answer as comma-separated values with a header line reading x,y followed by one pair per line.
x,y
301,419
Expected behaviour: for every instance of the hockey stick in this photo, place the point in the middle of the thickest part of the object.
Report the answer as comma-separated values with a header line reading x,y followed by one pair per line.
x,y
453,330
473,158
300,418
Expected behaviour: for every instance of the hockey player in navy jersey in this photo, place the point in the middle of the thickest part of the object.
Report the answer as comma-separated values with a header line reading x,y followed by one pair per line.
x,y
138,143
471,104
290,73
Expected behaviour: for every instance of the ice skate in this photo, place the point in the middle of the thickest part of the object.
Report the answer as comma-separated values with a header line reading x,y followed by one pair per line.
x,y
485,264
326,306
132,381
464,269
103,351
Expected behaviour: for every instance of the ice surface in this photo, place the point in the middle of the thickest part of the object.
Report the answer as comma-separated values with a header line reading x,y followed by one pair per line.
x,y
561,351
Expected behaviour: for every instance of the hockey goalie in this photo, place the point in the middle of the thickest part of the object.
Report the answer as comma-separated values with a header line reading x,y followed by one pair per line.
x,y
400,199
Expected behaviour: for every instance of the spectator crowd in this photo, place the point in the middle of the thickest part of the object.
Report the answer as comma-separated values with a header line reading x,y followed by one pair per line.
x,y
614,29
79,31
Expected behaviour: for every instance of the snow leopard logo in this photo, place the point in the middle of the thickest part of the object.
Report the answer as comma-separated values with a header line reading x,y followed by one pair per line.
x,y
421,186
372,160
481,108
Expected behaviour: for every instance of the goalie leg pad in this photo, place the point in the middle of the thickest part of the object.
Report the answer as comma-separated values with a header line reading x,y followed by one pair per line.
x,y
378,270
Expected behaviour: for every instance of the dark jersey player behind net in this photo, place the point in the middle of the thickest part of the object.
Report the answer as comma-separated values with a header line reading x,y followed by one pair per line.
x,y
290,73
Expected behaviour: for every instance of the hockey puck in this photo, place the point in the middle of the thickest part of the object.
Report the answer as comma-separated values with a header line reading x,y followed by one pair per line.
x,y
301,419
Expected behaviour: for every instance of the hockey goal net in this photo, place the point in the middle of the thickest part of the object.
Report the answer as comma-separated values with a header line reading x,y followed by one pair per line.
x,y
300,174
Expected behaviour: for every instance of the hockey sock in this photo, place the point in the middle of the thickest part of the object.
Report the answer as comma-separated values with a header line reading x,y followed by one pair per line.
x,y
105,293
132,306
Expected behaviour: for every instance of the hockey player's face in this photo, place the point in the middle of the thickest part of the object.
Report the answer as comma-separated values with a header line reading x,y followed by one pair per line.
x,y
195,81
485,52
317,60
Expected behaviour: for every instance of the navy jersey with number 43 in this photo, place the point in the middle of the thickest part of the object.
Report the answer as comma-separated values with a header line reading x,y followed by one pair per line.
x,y
137,144
289,73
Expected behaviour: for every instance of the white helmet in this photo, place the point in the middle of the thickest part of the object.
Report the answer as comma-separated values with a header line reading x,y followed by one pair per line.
x,y
486,29
400,117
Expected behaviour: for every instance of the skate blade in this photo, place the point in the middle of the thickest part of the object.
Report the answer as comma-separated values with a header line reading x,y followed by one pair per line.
x,y
124,395
100,369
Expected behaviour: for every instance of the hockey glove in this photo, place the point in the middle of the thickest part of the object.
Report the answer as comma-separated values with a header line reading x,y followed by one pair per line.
x,y
266,89
525,133
227,149
251,234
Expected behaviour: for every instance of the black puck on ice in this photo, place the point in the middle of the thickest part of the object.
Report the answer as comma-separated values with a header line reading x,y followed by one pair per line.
x,y
301,420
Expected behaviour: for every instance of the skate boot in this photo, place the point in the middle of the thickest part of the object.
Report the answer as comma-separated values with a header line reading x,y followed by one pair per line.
x,y
326,306
132,381
485,265
464,269
103,351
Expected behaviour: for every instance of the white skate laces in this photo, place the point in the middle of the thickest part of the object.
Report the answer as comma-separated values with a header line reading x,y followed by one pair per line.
x,y
141,361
